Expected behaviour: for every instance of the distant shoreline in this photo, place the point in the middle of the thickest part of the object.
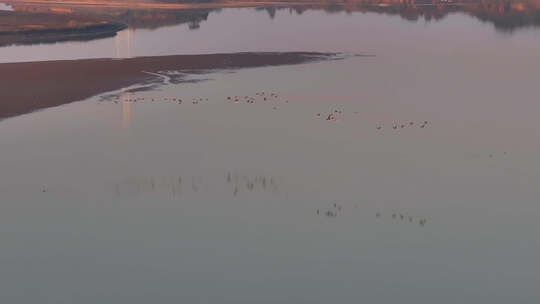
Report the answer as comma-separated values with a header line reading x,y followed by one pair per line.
x,y
28,27
21,27
52,35
54,83
165,5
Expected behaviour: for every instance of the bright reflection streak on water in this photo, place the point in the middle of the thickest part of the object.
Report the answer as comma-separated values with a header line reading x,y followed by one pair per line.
x,y
5,7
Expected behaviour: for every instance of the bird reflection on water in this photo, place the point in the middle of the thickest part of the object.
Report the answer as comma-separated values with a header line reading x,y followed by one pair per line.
x,y
251,183
336,209
404,217
235,184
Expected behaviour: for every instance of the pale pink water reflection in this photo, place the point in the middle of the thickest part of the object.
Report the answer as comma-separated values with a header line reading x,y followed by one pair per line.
x,y
153,202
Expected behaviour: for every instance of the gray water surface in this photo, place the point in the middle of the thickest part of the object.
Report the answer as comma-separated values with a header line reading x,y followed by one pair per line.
x,y
116,201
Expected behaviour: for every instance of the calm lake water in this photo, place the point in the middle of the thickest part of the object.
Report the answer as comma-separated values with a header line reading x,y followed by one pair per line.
x,y
223,202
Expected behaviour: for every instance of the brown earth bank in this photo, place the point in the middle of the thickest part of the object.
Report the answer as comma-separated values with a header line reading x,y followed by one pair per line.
x,y
27,28
29,86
